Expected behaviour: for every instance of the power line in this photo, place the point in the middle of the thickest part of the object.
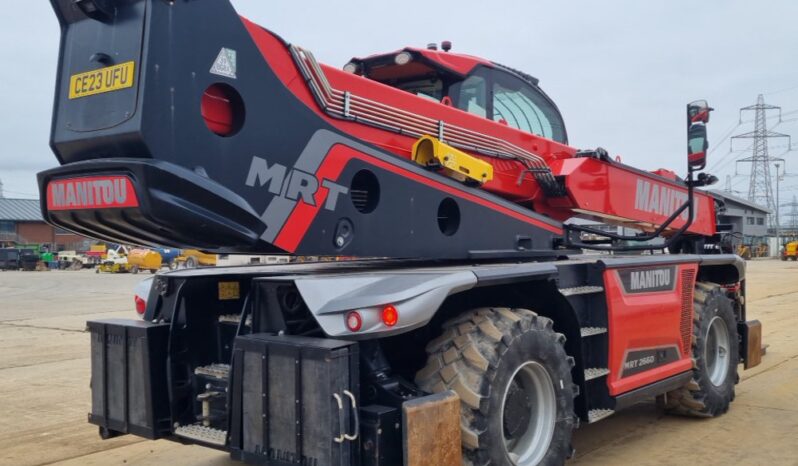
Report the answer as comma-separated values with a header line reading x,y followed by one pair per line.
x,y
793,215
720,163
723,158
17,192
760,188
782,90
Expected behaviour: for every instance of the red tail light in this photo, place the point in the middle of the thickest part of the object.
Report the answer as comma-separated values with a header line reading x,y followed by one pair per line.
x,y
390,316
141,305
222,109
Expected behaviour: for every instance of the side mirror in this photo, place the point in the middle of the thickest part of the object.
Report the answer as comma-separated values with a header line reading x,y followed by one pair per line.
x,y
698,112
697,146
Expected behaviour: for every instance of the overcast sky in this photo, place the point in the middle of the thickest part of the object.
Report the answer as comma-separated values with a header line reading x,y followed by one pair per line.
x,y
620,71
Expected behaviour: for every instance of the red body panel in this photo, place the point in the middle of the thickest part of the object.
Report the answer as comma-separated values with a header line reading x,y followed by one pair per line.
x,y
620,194
588,180
644,321
505,171
457,62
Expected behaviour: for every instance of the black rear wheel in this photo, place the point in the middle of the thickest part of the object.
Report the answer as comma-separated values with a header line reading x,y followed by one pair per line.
x,y
715,357
512,374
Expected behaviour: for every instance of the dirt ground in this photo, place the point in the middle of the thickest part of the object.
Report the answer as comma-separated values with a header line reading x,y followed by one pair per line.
x,y
44,385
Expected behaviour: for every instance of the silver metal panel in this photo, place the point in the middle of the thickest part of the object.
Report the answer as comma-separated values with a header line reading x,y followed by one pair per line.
x,y
417,295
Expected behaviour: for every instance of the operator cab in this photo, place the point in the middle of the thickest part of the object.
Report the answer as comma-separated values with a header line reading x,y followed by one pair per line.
x,y
469,83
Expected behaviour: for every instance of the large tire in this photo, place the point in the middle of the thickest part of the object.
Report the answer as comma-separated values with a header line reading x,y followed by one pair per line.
x,y
191,262
715,359
496,359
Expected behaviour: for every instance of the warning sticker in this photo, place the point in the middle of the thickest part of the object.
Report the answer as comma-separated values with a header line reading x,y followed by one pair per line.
x,y
225,63
229,290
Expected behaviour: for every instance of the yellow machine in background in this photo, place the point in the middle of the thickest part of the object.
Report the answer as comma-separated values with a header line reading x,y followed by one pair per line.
x,y
748,251
191,258
790,251
114,261
143,259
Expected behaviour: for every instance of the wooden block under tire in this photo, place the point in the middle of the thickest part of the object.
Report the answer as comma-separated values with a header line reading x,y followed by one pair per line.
x,y
431,430
752,334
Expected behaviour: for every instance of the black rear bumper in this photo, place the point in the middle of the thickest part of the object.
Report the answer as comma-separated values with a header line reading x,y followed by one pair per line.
x,y
177,207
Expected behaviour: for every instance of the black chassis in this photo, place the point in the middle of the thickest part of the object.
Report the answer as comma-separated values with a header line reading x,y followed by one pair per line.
x,y
269,302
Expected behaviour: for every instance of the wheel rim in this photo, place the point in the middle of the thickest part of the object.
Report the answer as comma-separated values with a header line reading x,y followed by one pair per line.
x,y
716,352
528,414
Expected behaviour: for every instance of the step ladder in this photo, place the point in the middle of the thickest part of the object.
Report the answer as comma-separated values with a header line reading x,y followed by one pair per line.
x,y
217,371
595,415
595,372
578,290
202,434
591,331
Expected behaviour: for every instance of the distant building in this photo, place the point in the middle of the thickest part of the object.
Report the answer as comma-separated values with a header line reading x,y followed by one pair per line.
x,y
21,222
745,217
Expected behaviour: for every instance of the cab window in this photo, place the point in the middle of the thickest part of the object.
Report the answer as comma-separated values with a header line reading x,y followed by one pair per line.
x,y
521,106
431,89
471,95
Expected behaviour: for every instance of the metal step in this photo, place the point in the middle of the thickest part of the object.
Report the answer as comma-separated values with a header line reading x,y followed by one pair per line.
x,y
235,319
590,331
595,372
217,371
577,290
203,434
595,415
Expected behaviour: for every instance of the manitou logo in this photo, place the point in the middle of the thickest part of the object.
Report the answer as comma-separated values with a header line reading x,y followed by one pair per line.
x,y
293,184
99,192
647,280
659,199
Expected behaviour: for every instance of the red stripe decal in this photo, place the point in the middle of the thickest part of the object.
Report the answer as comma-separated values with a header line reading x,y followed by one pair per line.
x,y
303,214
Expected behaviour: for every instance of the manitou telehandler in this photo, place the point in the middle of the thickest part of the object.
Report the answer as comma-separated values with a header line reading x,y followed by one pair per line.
x,y
473,329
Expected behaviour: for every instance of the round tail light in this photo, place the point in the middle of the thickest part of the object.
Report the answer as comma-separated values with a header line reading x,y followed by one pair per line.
x,y
353,321
390,316
222,109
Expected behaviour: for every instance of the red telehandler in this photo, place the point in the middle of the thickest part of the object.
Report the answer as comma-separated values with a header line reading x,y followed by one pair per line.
x,y
473,329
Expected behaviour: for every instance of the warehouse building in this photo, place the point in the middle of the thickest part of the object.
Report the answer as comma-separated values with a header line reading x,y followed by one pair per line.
x,y
21,222
745,217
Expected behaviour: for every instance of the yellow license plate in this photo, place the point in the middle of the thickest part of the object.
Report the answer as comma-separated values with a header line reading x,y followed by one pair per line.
x,y
112,78
229,290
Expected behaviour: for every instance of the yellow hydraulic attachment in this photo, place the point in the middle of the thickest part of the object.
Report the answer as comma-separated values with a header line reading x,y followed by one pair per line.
x,y
431,152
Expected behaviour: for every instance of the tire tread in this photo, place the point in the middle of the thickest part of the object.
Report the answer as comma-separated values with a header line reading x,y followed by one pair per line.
x,y
465,358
